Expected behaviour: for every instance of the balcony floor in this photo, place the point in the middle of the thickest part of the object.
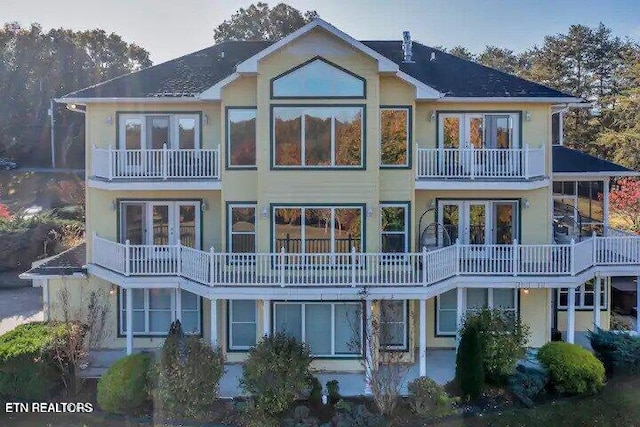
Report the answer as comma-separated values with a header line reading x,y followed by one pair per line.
x,y
155,183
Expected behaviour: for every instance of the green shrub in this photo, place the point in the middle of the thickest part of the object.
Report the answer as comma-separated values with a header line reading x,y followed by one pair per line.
x,y
27,366
276,372
188,376
429,399
315,395
356,415
124,387
503,340
469,364
527,384
333,392
572,369
619,352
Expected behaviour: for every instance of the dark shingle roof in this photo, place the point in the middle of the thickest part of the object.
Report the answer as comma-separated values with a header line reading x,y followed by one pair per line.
x,y
567,160
184,76
193,73
457,77
71,261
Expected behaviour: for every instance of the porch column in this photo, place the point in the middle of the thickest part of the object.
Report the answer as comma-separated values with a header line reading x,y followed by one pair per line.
x,y
460,306
605,205
129,314
266,317
637,304
213,321
368,347
571,315
179,304
422,329
597,288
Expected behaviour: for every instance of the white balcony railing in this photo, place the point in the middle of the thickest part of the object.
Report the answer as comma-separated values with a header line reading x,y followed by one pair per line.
x,y
365,269
472,163
165,164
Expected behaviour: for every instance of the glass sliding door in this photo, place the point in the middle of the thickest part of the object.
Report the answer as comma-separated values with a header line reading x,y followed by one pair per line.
x,y
160,223
479,222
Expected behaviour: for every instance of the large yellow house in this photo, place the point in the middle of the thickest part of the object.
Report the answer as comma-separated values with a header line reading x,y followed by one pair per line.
x,y
320,182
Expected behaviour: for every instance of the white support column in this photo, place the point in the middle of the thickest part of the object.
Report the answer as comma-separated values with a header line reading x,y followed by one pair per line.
x,y
129,314
45,299
179,305
637,304
422,331
368,347
213,321
266,317
605,204
460,309
597,288
571,315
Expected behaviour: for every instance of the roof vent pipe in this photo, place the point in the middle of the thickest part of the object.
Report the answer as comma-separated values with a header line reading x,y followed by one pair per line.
x,y
407,47
433,56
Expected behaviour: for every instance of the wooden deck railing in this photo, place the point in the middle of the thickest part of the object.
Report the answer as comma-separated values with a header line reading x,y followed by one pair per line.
x,y
485,163
364,269
164,164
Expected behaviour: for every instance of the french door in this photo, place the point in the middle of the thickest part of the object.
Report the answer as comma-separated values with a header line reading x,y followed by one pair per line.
x,y
478,130
161,223
479,222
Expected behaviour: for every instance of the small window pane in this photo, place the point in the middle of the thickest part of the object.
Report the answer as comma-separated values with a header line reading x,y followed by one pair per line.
x,y
133,134
318,328
187,133
287,136
394,137
243,311
138,299
157,132
476,298
160,298
503,298
190,322
189,301
449,299
348,136
288,230
242,137
244,335
317,137
159,321
451,132
447,322
348,321
289,320
348,229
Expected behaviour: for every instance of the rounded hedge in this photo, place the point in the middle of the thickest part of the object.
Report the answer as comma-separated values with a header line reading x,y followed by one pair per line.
x,y
124,387
572,369
27,366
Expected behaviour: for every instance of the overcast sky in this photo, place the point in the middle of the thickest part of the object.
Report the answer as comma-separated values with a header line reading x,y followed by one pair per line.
x,y
171,28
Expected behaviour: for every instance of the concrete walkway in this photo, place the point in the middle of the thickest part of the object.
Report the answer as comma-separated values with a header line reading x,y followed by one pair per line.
x,y
18,306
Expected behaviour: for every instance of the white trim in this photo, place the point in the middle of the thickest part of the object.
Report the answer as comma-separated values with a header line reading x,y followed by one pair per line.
x,y
508,99
250,65
123,100
153,184
214,93
479,184
590,176
424,92
213,322
422,337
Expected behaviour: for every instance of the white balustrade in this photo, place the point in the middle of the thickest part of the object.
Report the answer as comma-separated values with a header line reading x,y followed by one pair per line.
x,y
364,269
165,163
484,163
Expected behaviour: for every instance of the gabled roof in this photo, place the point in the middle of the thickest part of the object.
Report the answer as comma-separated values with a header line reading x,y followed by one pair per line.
x,y
68,263
567,161
202,74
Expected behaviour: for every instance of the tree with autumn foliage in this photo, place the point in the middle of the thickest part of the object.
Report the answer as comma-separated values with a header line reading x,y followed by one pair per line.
x,y
624,203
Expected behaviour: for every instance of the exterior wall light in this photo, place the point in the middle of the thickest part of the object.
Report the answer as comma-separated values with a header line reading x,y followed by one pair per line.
x,y
527,116
527,205
108,120
265,212
206,119
204,206
369,212
432,115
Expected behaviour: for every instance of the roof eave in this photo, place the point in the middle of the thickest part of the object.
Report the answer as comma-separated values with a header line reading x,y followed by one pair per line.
x,y
510,99
132,100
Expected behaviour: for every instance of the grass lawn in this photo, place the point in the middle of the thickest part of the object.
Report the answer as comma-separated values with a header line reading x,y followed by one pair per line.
x,y
617,405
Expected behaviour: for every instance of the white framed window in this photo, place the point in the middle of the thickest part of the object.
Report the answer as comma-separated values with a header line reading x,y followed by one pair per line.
x,y
151,131
318,78
318,137
155,309
331,329
394,227
394,331
585,197
479,130
242,228
242,324
395,130
241,137
584,296
503,299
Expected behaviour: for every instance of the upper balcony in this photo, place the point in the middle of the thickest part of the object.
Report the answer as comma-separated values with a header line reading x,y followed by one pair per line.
x,y
147,169
484,168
